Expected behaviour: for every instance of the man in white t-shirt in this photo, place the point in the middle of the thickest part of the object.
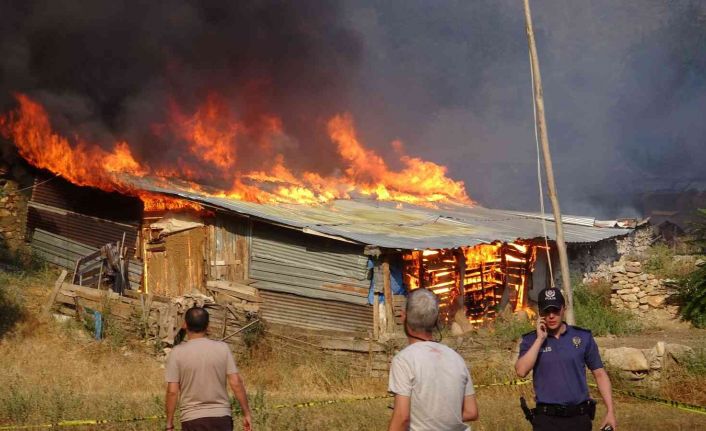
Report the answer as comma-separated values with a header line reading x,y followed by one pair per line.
x,y
433,389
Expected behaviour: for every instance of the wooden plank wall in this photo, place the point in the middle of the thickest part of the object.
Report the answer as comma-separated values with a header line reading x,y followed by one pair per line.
x,y
228,249
176,265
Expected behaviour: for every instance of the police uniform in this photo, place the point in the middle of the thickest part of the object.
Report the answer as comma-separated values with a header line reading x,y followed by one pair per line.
x,y
559,378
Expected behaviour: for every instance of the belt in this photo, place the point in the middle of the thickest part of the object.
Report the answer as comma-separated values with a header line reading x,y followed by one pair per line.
x,y
587,407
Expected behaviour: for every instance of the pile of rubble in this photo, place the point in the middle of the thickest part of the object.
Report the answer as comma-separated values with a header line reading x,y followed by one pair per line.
x,y
640,292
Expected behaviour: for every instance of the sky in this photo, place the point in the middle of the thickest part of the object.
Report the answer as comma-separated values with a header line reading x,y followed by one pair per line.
x,y
624,82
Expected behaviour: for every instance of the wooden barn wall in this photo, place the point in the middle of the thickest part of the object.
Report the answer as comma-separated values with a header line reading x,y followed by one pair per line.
x,y
176,265
315,314
289,261
228,248
66,222
82,214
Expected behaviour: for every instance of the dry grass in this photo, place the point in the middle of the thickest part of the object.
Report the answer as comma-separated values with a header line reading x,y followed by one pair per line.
x,y
52,371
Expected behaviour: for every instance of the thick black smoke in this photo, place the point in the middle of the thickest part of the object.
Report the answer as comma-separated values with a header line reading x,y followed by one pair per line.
x,y
625,93
625,82
109,70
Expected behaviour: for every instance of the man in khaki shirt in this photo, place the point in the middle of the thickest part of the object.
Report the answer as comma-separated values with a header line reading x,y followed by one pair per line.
x,y
196,374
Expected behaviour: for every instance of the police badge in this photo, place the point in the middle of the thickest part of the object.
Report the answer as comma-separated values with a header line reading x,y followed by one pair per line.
x,y
577,341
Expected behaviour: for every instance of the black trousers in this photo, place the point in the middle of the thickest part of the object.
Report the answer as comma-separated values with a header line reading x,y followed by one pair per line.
x,y
557,423
223,423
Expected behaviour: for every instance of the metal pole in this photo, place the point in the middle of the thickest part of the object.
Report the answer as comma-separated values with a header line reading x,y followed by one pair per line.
x,y
544,140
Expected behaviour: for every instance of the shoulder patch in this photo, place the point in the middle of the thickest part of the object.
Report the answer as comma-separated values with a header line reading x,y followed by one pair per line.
x,y
578,328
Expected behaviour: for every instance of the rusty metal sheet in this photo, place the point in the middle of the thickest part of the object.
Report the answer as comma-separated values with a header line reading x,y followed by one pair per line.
x,y
309,313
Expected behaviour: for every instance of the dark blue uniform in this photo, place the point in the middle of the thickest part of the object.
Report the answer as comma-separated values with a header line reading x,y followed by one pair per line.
x,y
559,375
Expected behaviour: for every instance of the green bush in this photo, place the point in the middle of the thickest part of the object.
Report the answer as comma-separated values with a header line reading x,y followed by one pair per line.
x,y
660,261
592,310
511,329
693,298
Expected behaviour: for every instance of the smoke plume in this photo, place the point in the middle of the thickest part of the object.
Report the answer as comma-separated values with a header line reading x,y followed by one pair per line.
x,y
624,83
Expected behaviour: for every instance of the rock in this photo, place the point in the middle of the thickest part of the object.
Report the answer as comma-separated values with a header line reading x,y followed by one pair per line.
x,y
635,290
624,291
641,294
644,307
632,305
678,352
655,355
615,301
633,274
656,301
650,277
626,359
643,300
632,269
630,298
4,212
618,269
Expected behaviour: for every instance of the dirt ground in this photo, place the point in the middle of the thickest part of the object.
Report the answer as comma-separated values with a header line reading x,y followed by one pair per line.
x,y
55,371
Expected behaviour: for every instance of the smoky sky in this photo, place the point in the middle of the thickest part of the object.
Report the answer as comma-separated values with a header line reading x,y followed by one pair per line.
x,y
624,82
624,85
108,70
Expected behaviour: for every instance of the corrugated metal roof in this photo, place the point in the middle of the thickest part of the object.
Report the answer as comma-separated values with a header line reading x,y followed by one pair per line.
x,y
402,226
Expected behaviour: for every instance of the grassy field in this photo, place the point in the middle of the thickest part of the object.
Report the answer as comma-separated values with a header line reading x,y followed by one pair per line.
x,y
52,371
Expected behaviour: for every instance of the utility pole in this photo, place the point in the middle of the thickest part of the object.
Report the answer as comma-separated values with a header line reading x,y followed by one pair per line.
x,y
544,140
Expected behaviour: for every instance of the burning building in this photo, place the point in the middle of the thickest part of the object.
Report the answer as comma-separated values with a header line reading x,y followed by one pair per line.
x,y
333,253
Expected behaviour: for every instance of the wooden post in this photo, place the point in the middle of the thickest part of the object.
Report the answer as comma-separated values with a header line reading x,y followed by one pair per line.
x,y
544,140
54,293
387,291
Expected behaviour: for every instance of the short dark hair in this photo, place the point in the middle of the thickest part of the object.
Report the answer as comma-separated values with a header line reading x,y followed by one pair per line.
x,y
196,319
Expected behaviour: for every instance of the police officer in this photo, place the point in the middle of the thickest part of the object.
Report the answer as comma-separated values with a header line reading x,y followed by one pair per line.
x,y
558,355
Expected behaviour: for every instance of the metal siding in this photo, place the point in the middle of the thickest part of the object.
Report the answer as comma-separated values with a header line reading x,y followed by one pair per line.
x,y
288,261
90,231
309,313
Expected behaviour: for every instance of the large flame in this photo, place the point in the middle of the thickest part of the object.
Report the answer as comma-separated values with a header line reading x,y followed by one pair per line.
x,y
216,142
485,275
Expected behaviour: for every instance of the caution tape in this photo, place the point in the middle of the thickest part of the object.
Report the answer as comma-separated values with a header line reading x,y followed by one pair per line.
x,y
693,408
84,422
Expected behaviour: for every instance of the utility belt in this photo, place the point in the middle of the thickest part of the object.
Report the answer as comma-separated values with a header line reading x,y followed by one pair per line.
x,y
585,408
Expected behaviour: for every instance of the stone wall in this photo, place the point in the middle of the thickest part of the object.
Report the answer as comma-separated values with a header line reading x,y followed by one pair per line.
x,y
13,215
642,293
595,261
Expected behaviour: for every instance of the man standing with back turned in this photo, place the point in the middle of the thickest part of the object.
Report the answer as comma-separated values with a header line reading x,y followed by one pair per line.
x,y
558,355
199,370
433,389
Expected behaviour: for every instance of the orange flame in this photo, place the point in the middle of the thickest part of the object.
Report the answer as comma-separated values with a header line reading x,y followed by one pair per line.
x,y
214,137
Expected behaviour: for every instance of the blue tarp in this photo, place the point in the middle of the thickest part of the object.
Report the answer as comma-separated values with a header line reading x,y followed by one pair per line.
x,y
396,281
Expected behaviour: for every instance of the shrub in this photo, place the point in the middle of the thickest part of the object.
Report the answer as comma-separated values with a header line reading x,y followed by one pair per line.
x,y
661,261
592,310
512,328
693,298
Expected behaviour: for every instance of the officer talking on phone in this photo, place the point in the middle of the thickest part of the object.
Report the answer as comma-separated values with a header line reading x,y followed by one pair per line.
x,y
558,355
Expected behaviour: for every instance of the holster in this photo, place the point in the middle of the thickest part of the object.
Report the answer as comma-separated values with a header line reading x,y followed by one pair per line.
x,y
529,413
